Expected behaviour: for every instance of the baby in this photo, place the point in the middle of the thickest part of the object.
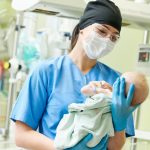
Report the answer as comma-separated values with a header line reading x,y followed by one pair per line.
x,y
94,115
138,79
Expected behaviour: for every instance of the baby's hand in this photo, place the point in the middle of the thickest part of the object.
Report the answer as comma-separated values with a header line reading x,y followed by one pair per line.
x,y
88,90
95,87
106,85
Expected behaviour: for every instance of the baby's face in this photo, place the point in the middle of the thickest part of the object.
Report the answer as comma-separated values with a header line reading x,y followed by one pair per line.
x,y
96,87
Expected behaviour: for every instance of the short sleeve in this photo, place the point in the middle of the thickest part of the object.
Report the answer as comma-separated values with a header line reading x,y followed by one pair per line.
x,y
32,99
130,131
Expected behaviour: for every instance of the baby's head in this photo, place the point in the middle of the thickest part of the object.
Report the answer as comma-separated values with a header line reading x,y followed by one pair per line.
x,y
141,86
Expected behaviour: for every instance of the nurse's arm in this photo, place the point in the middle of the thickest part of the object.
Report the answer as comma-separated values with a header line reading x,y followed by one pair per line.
x,y
27,138
117,142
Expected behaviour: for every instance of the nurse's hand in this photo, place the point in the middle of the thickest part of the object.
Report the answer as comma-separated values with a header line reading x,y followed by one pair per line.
x,y
121,104
82,145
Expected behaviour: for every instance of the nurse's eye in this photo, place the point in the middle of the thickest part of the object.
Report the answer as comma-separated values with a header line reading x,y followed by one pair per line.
x,y
114,38
103,33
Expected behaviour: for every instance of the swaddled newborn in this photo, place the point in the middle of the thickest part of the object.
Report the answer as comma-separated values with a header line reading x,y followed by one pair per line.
x,y
136,78
94,115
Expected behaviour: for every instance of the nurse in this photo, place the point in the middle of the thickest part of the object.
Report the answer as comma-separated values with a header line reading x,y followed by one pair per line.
x,y
56,83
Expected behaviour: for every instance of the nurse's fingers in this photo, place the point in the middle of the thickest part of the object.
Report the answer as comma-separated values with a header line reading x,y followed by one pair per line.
x,y
130,94
106,85
122,88
116,87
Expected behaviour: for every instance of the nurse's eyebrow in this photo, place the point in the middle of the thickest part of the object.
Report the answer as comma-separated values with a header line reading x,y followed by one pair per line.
x,y
109,29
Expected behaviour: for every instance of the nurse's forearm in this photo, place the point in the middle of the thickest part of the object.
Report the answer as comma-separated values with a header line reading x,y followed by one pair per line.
x,y
117,142
29,139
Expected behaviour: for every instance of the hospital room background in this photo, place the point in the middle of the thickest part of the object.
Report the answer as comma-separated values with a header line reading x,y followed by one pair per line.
x,y
26,38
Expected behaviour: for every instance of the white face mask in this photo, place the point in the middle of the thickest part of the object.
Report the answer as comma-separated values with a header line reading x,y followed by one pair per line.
x,y
97,46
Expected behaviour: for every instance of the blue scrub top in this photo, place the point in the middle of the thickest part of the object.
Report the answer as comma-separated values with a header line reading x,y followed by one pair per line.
x,y
51,87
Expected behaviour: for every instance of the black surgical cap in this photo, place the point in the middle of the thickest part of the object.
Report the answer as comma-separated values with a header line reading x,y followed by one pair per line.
x,y
103,12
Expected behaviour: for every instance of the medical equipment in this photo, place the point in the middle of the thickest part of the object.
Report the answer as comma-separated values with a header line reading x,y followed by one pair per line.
x,y
3,46
134,14
61,8
1,75
42,40
3,106
28,50
143,58
32,44
12,85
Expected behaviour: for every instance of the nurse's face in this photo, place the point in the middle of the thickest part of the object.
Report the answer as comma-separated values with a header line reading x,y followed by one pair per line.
x,y
104,30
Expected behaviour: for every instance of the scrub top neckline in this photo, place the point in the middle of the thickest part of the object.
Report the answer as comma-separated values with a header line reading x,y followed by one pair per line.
x,y
86,74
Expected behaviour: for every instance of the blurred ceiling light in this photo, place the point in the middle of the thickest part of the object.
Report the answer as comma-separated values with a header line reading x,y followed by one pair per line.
x,y
22,5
